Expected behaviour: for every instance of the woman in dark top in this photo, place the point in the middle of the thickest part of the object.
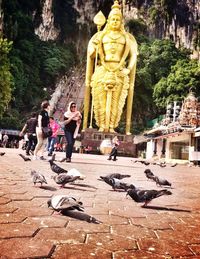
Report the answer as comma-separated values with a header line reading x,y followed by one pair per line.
x,y
43,121
72,121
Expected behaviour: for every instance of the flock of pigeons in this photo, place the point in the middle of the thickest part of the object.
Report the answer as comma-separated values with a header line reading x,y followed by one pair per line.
x,y
137,194
59,203
62,177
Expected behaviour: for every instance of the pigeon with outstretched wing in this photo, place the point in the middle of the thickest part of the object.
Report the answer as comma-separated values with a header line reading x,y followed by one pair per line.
x,y
64,202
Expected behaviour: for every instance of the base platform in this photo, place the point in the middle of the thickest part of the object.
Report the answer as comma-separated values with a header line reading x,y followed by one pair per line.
x,y
93,138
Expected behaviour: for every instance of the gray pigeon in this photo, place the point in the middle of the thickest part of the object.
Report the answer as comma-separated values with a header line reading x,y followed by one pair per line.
x,y
64,202
53,157
146,196
161,182
174,164
116,183
116,176
25,158
149,174
38,178
56,169
63,179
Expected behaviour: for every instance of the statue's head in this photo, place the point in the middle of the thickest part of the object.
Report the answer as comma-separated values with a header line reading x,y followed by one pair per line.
x,y
115,16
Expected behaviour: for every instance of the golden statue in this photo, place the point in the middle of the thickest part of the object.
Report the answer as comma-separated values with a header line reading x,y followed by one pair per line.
x,y
110,73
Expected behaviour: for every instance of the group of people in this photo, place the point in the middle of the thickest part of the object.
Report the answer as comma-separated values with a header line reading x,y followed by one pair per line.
x,y
34,128
38,142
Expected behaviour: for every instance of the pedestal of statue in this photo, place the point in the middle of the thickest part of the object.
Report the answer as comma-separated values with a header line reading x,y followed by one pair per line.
x,y
93,138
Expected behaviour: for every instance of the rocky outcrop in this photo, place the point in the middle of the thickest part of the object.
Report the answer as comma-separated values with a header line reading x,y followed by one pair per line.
x,y
46,30
1,18
177,21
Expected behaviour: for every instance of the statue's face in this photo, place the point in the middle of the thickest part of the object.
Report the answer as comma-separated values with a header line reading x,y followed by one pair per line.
x,y
115,22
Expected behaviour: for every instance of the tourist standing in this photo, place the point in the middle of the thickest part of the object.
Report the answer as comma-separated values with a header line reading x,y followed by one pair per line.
x,y
43,122
72,121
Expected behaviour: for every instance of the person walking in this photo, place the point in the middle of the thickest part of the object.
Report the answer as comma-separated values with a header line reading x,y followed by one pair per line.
x,y
52,140
30,129
1,137
113,152
43,122
5,140
72,121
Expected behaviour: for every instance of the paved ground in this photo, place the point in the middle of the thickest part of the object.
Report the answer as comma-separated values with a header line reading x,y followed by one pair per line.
x,y
169,228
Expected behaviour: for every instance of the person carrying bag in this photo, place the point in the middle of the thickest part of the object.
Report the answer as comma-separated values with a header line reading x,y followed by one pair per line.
x,y
42,130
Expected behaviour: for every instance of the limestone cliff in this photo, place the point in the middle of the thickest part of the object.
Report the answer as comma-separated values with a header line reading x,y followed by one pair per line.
x,y
1,18
175,19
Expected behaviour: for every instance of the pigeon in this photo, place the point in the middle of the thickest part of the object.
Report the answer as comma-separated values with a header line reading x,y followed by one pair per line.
x,y
146,163
161,182
116,183
62,159
57,169
53,157
2,153
139,161
161,164
117,176
63,179
25,158
146,196
75,172
149,174
38,178
174,164
64,202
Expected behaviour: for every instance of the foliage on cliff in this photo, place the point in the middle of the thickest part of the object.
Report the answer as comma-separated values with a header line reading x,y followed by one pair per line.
x,y
35,65
184,75
156,83
5,75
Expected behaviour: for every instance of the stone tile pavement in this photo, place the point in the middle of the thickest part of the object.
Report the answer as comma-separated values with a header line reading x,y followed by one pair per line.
x,y
168,228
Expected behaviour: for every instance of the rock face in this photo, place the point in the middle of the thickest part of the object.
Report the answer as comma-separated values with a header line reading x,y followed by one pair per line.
x,y
177,20
1,18
46,30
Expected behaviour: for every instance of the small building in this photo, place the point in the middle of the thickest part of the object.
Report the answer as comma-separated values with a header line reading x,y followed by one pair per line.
x,y
177,138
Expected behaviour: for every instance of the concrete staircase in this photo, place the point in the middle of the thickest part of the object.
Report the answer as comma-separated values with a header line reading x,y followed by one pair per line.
x,y
74,91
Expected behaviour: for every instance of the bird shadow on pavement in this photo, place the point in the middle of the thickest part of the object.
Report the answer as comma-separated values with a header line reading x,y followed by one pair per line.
x,y
75,188
81,216
117,190
84,185
49,188
165,208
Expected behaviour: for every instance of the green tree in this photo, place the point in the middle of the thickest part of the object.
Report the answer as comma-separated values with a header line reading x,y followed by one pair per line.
x,y
155,60
184,75
5,75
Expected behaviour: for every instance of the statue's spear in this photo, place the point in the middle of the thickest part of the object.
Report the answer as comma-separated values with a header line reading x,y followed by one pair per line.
x,y
99,20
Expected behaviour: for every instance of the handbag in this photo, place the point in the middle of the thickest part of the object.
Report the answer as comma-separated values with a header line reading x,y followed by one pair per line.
x,y
47,132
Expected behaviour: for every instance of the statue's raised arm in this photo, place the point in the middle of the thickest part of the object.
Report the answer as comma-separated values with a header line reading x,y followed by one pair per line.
x,y
110,73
